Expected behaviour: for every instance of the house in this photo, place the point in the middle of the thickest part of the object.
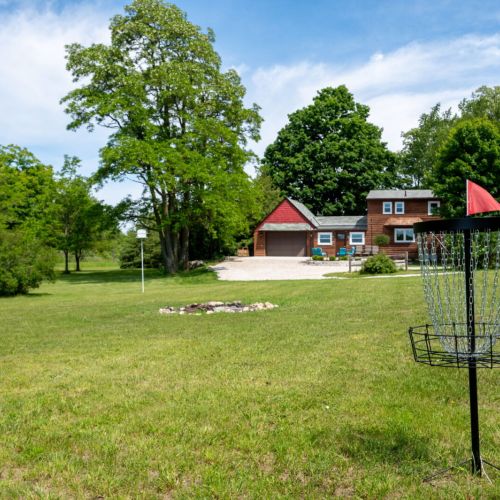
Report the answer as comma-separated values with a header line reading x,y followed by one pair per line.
x,y
291,229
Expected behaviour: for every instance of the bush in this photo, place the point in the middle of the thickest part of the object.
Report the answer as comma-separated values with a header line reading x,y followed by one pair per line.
x,y
381,240
332,257
24,263
378,264
317,257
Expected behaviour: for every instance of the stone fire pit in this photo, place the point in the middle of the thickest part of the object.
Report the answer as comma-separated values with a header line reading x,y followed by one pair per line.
x,y
217,307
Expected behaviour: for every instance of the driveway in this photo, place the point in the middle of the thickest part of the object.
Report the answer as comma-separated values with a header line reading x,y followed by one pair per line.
x,y
275,268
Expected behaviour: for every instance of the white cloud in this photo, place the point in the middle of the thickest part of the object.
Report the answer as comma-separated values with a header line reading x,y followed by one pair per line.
x,y
398,86
33,80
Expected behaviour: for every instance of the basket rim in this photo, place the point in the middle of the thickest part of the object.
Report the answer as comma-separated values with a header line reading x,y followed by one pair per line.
x,y
461,224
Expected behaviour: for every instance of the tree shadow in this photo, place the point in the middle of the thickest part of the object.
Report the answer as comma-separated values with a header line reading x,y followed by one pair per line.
x,y
392,445
129,276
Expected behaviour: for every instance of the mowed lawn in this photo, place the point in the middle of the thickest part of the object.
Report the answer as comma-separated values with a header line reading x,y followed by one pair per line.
x,y
100,396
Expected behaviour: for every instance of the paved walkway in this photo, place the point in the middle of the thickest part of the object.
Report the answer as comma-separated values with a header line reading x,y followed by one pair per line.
x,y
275,268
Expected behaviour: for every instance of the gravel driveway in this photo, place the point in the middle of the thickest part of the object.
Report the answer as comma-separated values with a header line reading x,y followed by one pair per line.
x,y
275,268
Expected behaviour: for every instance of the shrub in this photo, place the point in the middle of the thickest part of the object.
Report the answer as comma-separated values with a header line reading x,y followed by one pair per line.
x,y
332,257
317,257
24,262
381,240
378,264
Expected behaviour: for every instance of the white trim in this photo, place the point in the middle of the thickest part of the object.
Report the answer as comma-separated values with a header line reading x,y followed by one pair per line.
x,y
384,211
396,203
325,244
429,211
362,242
405,240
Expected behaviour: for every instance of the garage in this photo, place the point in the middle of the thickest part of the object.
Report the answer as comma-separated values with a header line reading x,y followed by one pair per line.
x,y
286,243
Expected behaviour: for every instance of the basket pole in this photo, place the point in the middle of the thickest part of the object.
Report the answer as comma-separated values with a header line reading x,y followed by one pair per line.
x,y
474,411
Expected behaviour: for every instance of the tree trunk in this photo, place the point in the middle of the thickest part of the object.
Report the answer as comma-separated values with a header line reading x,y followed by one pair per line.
x,y
78,256
184,249
66,261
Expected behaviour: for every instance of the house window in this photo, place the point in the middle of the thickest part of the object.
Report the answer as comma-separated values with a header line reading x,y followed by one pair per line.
x,y
399,207
404,235
356,238
433,207
387,207
324,238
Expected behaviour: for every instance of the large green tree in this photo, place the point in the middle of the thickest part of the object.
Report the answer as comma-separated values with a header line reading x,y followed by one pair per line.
x,y
178,123
329,156
472,151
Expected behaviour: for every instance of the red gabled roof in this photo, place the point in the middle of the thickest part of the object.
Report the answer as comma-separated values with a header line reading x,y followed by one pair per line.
x,y
285,213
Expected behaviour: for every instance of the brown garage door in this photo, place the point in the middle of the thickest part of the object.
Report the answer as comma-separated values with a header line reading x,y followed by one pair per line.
x,y
286,243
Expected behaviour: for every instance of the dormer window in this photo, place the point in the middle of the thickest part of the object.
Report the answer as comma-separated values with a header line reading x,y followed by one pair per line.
x,y
399,207
387,207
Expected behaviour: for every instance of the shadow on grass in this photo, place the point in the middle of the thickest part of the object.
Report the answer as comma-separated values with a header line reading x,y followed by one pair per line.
x,y
394,446
134,275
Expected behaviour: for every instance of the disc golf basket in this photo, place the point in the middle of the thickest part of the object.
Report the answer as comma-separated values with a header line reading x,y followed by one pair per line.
x,y
460,266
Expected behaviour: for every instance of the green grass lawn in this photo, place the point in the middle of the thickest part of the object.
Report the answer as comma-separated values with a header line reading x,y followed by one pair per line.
x,y
100,396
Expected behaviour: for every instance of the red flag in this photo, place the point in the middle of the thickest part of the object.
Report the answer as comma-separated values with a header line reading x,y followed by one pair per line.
x,y
479,200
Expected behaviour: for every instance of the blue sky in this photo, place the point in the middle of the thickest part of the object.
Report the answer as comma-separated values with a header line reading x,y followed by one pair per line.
x,y
399,57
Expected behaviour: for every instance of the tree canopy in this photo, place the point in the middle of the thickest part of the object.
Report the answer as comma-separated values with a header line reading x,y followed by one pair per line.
x,y
329,156
472,151
422,145
178,123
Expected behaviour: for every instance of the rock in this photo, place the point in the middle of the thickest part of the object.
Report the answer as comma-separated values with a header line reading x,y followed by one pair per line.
x,y
194,264
214,303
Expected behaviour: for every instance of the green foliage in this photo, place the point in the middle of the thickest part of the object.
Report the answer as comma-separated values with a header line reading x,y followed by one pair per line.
x,y
381,239
332,258
81,223
26,191
421,145
24,262
130,251
472,151
179,124
317,257
378,264
329,156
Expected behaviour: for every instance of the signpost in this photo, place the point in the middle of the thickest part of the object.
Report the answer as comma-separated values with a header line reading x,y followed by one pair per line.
x,y
142,235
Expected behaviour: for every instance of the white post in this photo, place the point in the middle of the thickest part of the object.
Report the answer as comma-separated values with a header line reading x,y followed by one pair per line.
x,y
142,235
142,264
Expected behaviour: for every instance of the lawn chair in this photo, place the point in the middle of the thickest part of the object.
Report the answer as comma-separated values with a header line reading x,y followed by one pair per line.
x,y
318,252
342,252
352,252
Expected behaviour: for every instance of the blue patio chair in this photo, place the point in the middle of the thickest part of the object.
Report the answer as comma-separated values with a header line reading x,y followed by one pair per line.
x,y
318,251
352,252
342,252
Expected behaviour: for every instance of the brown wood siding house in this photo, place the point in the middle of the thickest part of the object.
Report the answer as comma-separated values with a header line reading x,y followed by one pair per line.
x,y
393,213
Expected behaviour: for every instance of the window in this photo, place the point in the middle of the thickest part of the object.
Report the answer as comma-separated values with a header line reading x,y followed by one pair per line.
x,y
433,207
387,207
399,207
356,238
324,238
403,235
